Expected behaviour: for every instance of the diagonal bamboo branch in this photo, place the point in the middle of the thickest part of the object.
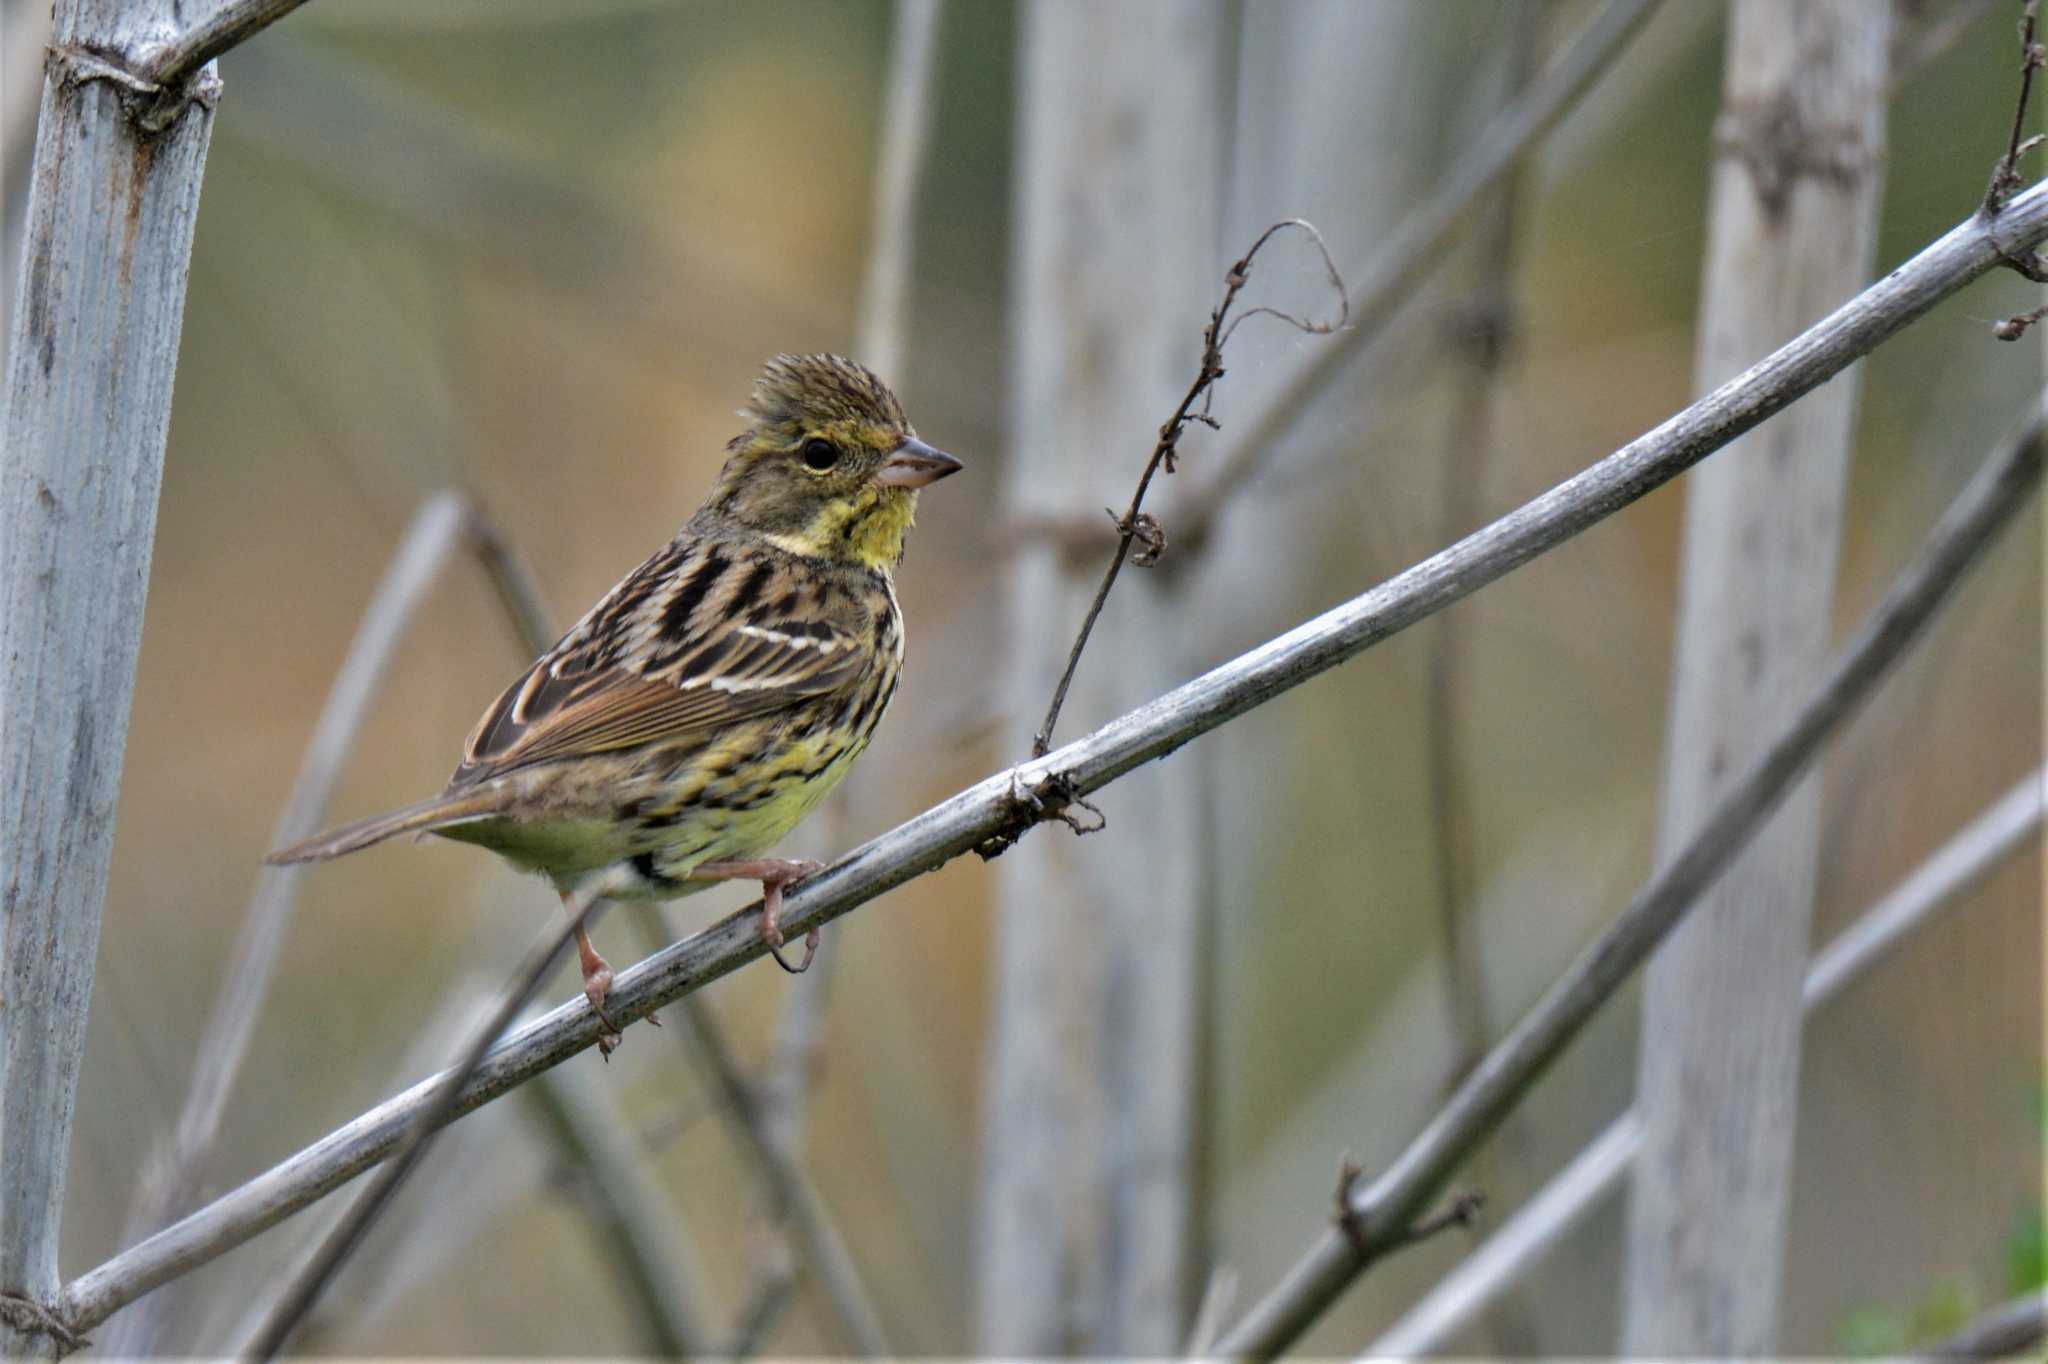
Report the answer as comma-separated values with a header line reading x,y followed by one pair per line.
x,y
1035,790
1940,882
790,1189
2012,1327
632,1216
1376,1220
172,1180
234,22
441,1104
882,335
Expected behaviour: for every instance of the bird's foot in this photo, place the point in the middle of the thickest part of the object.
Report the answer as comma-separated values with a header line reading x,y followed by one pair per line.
x,y
774,874
597,983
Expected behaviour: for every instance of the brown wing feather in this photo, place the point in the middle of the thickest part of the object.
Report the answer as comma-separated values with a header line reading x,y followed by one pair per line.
x,y
692,641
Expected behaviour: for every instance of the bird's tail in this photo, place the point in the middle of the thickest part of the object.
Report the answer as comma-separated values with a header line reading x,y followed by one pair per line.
x,y
448,808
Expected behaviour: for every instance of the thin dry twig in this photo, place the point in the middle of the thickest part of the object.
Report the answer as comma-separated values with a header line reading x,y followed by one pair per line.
x,y
790,1190
883,330
964,821
1483,343
636,1224
1135,525
1386,1210
436,1114
2005,176
1393,273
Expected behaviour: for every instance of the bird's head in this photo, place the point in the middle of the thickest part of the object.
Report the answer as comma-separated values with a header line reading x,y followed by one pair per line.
x,y
828,465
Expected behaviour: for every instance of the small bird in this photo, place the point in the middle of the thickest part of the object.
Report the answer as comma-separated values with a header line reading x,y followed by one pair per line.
x,y
711,699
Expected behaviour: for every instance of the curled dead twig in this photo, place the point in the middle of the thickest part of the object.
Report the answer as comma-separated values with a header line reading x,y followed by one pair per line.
x,y
1135,524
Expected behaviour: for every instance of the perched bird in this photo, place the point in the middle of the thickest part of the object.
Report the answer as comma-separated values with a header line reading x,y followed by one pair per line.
x,y
715,696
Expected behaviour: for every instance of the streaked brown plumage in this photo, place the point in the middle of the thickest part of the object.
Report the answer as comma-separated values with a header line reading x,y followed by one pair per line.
x,y
712,699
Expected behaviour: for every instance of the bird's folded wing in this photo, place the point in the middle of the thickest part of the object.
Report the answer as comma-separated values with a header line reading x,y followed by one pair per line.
x,y
569,704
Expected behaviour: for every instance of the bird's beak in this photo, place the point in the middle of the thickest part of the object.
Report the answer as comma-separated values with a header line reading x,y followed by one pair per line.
x,y
914,464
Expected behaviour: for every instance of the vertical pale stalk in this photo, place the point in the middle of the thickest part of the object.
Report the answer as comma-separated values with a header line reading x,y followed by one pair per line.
x,y
882,343
1793,225
1480,356
91,358
1086,1234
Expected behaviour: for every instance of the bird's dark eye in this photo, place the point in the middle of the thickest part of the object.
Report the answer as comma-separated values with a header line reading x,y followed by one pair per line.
x,y
820,454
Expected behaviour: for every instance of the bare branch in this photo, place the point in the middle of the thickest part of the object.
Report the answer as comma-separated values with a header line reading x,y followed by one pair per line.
x,y
172,1179
1004,802
659,1266
1471,433
1384,1213
2005,176
633,1215
789,1188
439,1107
899,172
1134,524
512,580
1959,866
882,331
2011,1328
235,22
1939,883
1402,263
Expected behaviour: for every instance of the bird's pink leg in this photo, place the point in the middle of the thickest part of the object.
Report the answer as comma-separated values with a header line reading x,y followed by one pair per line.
x,y
774,873
597,983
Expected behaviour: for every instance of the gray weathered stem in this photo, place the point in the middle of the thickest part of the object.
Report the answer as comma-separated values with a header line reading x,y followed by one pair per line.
x,y
1941,882
882,343
1956,868
172,1179
91,359
899,173
1152,731
1386,280
440,1105
2007,1330
232,23
1089,1132
654,1255
1480,354
789,1188
635,1220
1382,1213
1793,226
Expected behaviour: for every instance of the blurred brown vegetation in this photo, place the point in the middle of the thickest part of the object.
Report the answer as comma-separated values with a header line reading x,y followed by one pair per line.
x,y
538,250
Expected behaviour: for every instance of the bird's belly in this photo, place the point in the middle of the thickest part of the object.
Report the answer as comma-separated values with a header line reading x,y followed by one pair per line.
x,y
720,826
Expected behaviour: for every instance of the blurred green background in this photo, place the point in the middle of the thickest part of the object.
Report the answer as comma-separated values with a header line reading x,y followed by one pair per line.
x,y
537,249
